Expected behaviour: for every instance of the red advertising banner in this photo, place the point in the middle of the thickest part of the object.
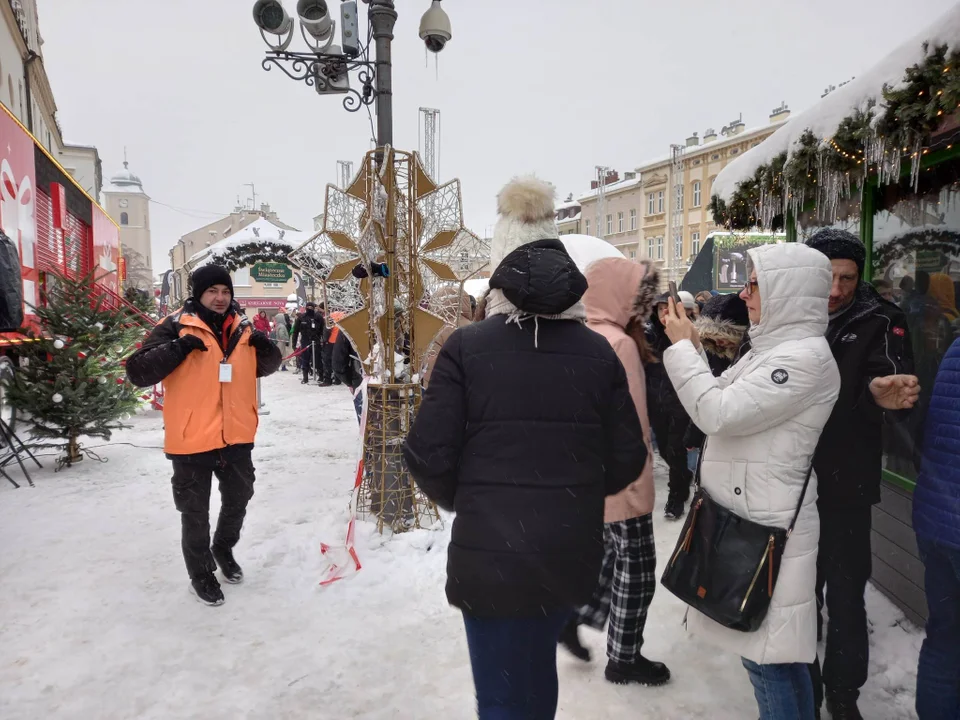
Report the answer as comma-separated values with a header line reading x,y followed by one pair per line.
x,y
58,203
263,303
18,199
106,250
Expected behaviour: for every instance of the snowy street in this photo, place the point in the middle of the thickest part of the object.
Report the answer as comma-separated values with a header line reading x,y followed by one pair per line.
x,y
98,623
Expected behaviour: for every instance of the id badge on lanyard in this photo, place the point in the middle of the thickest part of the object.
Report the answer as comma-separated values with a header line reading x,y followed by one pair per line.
x,y
226,372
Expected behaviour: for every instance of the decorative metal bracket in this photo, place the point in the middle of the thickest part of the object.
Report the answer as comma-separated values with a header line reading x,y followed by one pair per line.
x,y
318,70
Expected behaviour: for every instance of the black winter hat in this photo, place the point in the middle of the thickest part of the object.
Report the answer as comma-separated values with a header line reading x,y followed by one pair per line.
x,y
540,278
840,245
208,276
727,307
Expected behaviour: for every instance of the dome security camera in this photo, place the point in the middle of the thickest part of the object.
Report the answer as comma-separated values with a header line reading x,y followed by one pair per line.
x,y
315,19
435,28
271,17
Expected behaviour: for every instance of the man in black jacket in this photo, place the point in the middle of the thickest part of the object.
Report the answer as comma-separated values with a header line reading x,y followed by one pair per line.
x,y
868,336
526,426
208,357
347,368
309,329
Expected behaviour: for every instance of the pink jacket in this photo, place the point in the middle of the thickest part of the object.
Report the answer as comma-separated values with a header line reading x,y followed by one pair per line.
x,y
619,291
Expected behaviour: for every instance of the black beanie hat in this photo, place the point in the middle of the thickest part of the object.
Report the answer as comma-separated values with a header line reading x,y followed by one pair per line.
x,y
727,307
840,245
208,276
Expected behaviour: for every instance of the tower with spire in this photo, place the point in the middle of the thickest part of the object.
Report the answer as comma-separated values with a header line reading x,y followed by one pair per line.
x,y
129,206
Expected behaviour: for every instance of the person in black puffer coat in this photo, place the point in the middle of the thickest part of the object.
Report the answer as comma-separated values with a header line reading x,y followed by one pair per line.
x,y
667,417
722,325
347,368
526,427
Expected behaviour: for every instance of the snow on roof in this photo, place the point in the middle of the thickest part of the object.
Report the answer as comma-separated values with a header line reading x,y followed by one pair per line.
x,y
572,218
567,205
709,145
126,189
261,230
825,117
613,187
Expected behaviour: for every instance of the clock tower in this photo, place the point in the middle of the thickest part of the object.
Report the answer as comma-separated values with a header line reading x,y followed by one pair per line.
x,y
129,206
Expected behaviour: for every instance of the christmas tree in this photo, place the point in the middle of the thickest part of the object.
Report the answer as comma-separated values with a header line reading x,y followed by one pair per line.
x,y
72,382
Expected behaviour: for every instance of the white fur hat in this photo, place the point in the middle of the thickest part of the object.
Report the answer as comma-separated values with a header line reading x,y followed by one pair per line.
x,y
526,213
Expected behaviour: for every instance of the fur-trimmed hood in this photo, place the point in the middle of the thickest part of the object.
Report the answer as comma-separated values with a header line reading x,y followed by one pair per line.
x,y
720,337
619,291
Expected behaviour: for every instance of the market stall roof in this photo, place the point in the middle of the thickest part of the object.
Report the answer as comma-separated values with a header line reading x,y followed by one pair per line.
x,y
259,231
825,117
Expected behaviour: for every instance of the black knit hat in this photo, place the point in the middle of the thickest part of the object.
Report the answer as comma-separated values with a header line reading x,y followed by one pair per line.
x,y
208,276
727,307
840,245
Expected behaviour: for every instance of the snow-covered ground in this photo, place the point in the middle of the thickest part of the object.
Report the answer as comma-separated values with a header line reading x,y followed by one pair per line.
x,y
96,622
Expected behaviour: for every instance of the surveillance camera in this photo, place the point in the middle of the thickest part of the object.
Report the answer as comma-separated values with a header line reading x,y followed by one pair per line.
x,y
315,19
271,17
435,28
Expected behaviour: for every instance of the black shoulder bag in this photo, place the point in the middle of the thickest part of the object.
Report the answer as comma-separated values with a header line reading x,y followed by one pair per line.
x,y
724,565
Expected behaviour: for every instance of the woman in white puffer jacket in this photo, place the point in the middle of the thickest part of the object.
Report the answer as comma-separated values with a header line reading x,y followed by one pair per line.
x,y
762,419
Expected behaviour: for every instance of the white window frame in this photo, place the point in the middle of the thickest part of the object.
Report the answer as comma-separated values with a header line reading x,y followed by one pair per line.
x,y
609,223
696,194
678,249
650,248
633,254
633,218
586,227
241,277
620,226
694,243
659,247
651,204
659,202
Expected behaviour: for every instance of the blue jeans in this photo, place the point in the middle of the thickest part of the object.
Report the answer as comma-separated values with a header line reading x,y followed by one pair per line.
x,y
692,457
938,676
783,692
514,662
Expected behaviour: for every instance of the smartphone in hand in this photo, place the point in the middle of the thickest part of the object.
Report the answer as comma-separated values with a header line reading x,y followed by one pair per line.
x,y
672,290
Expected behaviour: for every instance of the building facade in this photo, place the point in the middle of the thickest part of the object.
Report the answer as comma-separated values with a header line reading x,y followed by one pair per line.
x,y
242,226
25,90
129,206
612,212
568,217
702,160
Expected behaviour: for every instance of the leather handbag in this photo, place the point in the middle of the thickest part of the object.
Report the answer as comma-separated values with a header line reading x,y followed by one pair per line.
x,y
724,565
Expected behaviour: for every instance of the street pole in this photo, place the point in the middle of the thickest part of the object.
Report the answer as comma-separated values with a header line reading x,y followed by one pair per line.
x,y
383,18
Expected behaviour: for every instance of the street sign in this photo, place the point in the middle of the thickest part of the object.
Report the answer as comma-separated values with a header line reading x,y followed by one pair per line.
x,y
271,272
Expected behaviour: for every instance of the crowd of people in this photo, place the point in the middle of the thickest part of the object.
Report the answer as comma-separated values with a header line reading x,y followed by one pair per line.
x,y
771,403
541,415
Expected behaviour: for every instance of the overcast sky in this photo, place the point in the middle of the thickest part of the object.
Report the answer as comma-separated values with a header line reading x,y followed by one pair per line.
x,y
547,86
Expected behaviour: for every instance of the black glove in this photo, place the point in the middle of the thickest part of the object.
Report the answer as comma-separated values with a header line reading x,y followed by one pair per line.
x,y
260,341
189,343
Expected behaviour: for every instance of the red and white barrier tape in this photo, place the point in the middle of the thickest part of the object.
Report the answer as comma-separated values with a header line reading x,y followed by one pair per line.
x,y
343,561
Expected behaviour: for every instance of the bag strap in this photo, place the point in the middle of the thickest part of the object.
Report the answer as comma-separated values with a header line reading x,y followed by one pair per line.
x,y
803,493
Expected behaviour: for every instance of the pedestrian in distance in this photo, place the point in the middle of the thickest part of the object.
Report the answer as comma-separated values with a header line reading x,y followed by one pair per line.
x,y
208,356
870,341
763,418
936,521
526,426
309,330
262,323
282,326
619,298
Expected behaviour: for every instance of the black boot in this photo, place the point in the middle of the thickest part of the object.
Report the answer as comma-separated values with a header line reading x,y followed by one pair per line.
x,y
232,572
207,589
673,509
843,705
641,672
570,639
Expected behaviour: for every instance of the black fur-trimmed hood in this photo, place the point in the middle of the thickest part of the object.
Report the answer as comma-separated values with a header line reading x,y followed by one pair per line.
x,y
720,337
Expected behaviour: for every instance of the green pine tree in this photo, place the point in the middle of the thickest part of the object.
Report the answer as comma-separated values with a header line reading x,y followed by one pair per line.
x,y
73,382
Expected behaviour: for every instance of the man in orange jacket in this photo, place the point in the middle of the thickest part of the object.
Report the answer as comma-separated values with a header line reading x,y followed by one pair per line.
x,y
208,357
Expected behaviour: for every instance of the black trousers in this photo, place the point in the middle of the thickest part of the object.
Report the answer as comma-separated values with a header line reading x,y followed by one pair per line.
x,y
671,447
326,363
192,478
844,565
306,360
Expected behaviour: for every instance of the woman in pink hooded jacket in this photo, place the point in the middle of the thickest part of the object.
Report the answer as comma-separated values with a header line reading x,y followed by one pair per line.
x,y
618,302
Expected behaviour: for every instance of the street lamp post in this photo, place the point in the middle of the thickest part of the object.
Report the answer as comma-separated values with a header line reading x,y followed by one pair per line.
x,y
327,67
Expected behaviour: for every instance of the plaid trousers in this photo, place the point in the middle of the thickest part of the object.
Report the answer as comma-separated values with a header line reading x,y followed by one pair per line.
x,y
625,588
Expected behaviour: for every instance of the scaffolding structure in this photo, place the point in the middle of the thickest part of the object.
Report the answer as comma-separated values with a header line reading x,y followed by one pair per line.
x,y
602,172
345,173
392,213
676,217
429,141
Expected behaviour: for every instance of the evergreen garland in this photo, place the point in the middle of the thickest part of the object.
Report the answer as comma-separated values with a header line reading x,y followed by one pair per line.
x,y
242,256
913,111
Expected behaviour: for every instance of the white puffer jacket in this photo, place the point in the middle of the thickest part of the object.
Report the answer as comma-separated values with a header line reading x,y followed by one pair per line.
x,y
763,418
